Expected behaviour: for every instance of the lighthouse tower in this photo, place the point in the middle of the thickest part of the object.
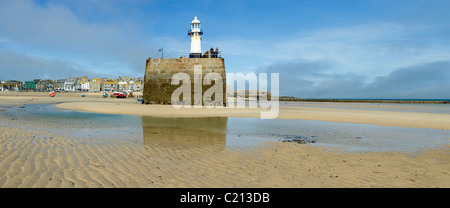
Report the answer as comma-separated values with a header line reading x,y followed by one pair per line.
x,y
195,32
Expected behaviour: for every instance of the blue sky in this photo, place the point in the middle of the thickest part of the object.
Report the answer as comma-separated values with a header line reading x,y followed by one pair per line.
x,y
321,49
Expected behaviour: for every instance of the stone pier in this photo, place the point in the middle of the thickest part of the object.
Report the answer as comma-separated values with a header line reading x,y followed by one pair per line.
x,y
159,72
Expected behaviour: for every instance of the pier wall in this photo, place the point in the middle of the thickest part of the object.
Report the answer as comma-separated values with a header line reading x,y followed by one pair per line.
x,y
159,73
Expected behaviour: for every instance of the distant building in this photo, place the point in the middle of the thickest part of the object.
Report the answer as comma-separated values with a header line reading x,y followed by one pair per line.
x,y
95,85
58,85
85,86
76,84
30,85
82,84
125,78
11,85
40,85
110,85
36,80
123,86
44,85
69,84
138,86
139,79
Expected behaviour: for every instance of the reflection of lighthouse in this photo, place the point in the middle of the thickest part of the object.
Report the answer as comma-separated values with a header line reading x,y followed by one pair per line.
x,y
195,32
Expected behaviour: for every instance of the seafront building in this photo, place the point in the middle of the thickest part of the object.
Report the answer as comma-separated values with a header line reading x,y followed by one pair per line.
x,y
69,84
109,85
82,84
58,85
75,84
44,85
95,85
29,85
11,85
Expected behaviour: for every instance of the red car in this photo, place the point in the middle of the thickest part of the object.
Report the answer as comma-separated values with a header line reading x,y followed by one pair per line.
x,y
120,95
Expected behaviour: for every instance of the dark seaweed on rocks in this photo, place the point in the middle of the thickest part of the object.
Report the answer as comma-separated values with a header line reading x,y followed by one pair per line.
x,y
296,138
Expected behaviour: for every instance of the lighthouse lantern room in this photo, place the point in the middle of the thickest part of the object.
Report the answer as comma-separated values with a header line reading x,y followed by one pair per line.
x,y
195,32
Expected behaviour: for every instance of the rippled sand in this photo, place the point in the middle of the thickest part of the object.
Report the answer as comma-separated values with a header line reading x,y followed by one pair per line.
x,y
39,159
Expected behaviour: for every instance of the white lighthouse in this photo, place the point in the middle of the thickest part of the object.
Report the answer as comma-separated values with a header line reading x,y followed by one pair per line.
x,y
195,32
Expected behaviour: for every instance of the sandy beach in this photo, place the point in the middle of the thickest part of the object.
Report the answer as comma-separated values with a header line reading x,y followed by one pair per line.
x,y
32,158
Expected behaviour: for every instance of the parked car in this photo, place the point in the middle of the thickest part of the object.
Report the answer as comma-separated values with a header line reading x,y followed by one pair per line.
x,y
120,94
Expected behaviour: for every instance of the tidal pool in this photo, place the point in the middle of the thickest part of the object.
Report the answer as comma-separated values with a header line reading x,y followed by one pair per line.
x,y
182,132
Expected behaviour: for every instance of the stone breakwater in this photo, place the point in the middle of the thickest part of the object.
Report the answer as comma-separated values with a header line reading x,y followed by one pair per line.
x,y
159,72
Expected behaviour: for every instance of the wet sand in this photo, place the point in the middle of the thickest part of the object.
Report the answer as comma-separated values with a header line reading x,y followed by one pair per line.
x,y
43,159
38,159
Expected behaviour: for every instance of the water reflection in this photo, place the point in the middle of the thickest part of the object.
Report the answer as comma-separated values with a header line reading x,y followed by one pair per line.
x,y
185,132
216,133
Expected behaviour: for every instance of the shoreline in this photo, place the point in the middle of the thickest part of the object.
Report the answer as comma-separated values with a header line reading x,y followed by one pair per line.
x,y
382,118
318,111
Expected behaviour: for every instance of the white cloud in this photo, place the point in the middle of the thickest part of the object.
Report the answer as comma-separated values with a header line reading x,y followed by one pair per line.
x,y
309,79
55,32
371,49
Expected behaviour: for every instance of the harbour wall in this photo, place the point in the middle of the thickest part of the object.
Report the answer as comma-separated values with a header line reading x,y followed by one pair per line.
x,y
159,72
